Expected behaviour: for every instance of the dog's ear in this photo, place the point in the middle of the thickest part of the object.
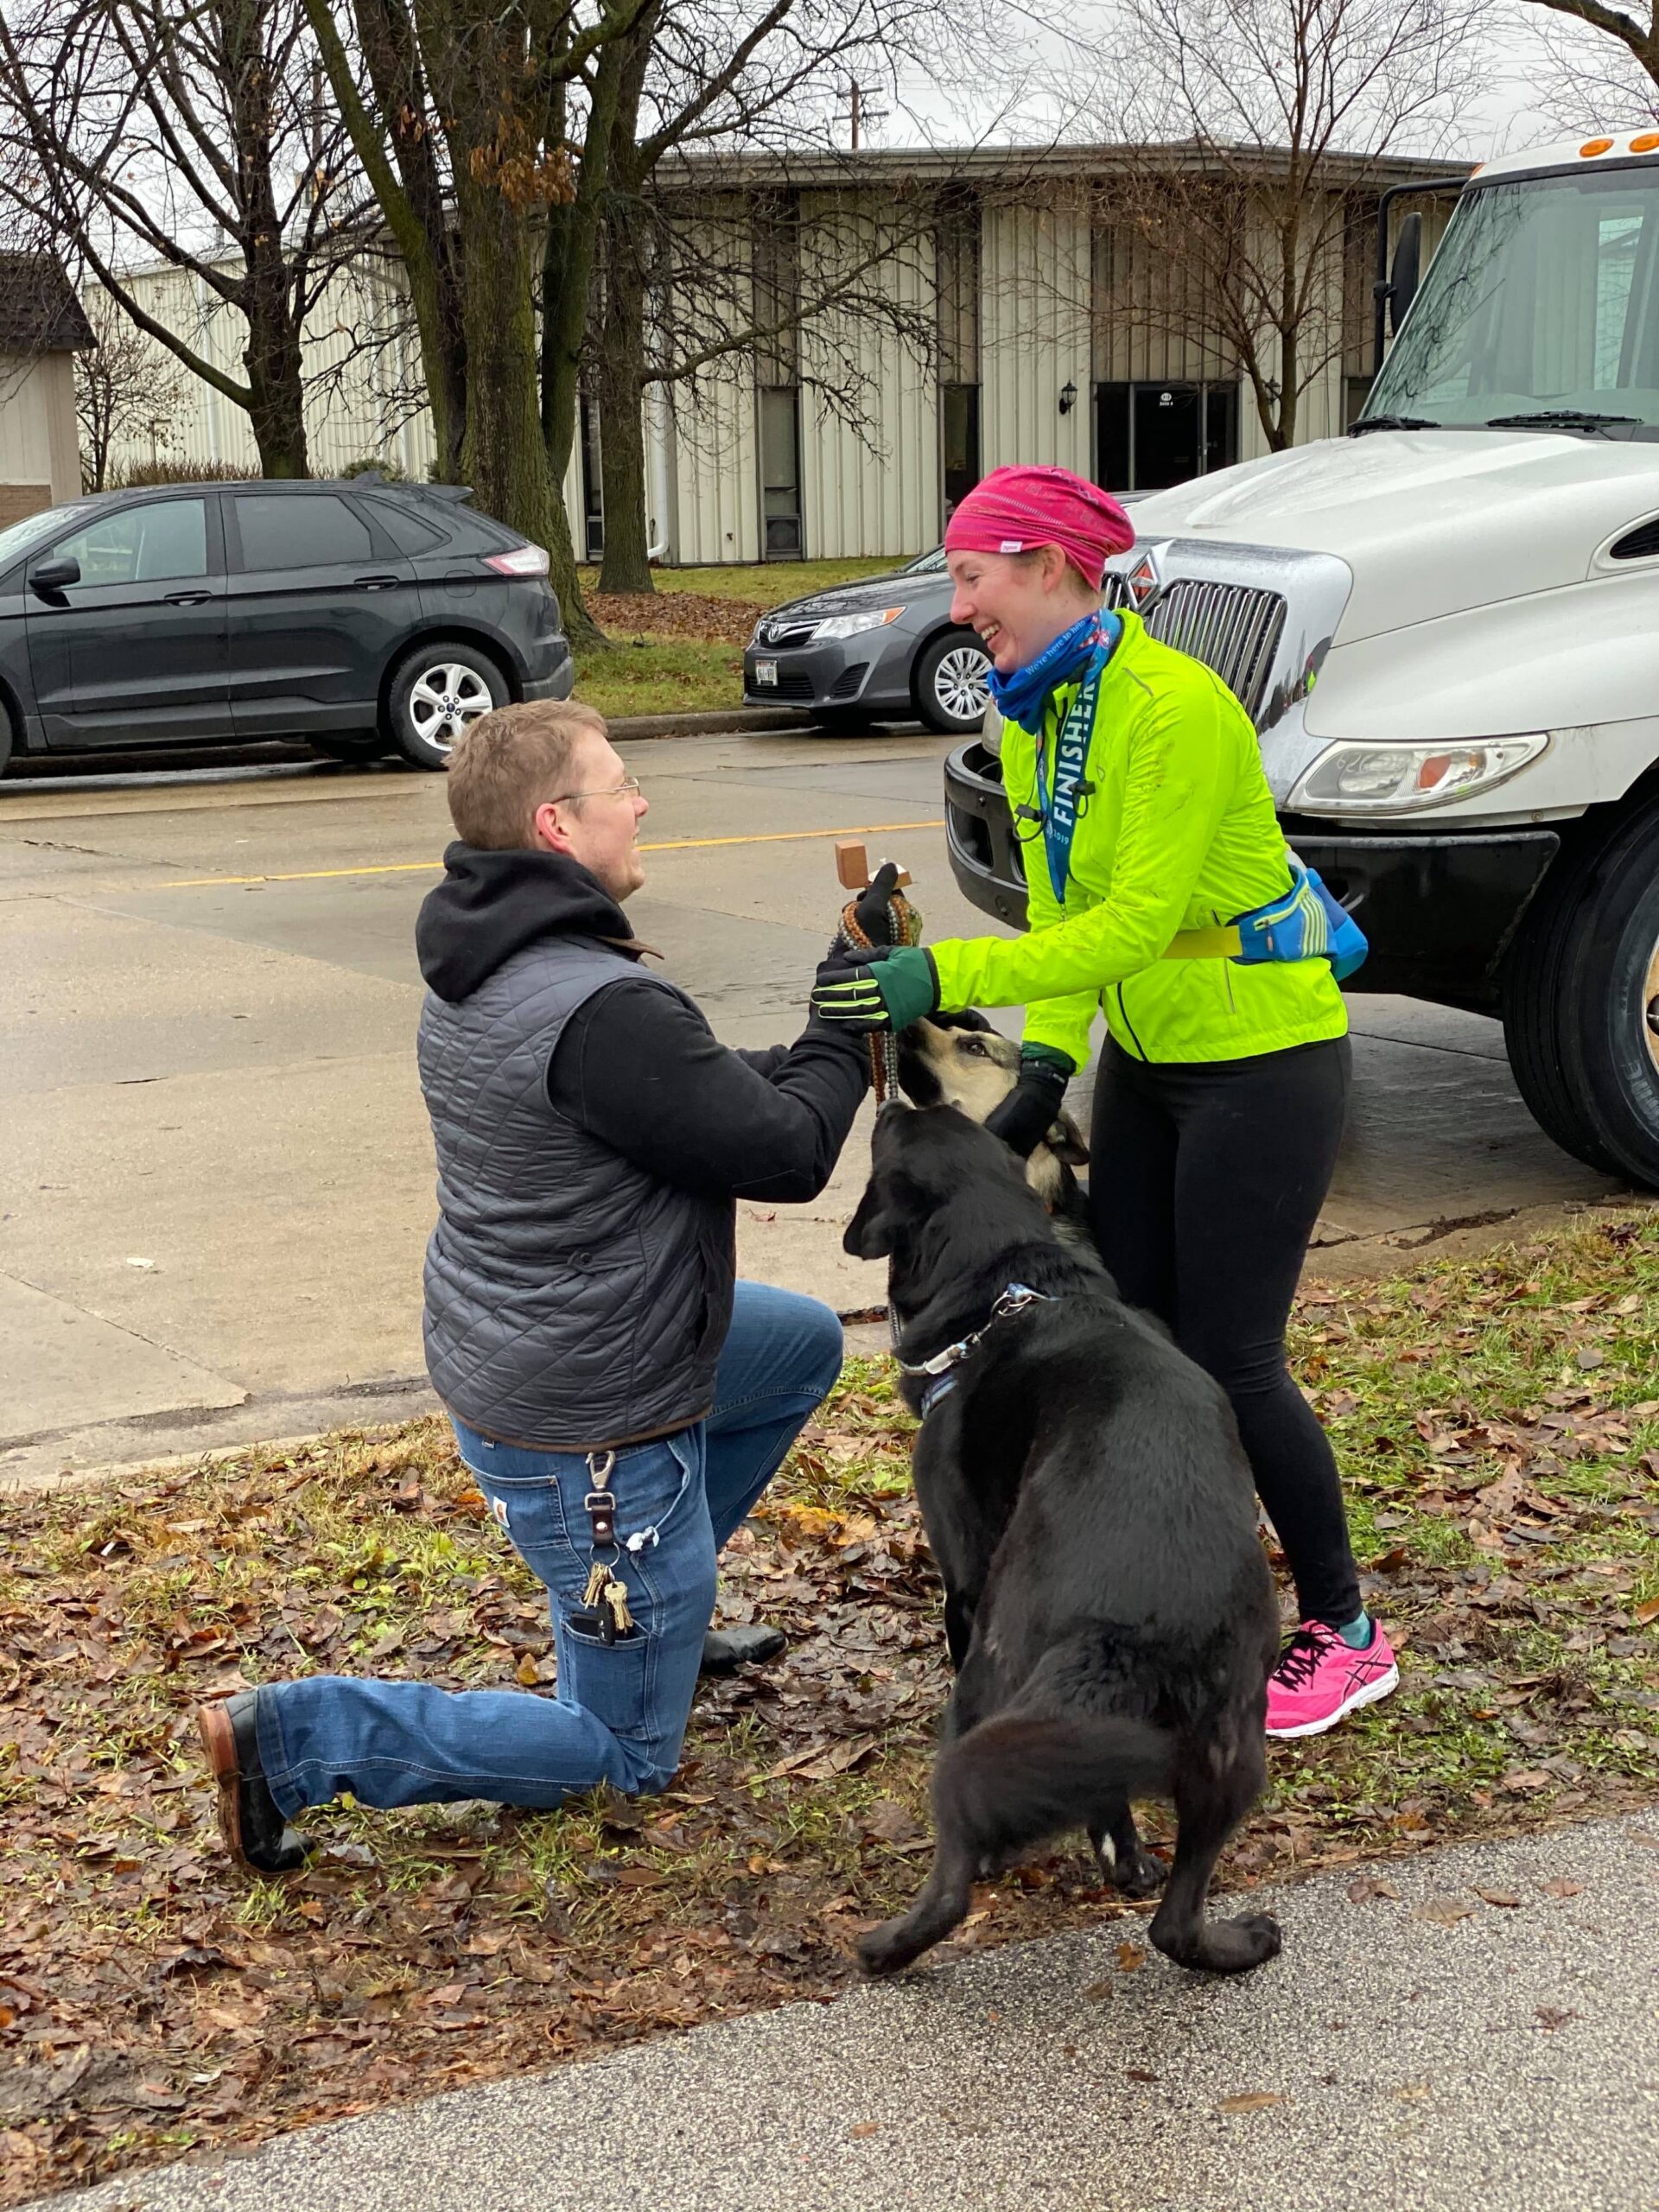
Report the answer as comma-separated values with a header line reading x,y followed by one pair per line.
x,y
869,1233
1064,1141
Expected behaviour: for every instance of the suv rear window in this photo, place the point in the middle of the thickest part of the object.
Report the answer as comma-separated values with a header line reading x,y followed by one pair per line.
x,y
299,530
407,532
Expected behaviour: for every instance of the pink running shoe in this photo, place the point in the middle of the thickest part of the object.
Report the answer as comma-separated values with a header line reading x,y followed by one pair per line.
x,y
1319,1679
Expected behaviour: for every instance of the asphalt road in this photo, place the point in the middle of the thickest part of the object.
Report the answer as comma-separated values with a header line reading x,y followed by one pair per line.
x,y
1483,2039
217,1178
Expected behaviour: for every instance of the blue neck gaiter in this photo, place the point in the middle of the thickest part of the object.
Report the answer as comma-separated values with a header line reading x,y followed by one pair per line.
x,y
1018,698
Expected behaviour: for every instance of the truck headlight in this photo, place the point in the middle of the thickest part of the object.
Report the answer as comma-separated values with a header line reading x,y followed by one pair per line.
x,y
849,625
1390,777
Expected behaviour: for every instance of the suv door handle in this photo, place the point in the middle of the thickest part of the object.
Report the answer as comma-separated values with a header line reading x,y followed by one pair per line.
x,y
377,583
189,598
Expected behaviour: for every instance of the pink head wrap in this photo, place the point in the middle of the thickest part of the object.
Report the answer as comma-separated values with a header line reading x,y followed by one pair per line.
x,y
1016,510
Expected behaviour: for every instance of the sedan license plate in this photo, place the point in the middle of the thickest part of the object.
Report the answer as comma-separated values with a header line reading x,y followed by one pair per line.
x,y
765,672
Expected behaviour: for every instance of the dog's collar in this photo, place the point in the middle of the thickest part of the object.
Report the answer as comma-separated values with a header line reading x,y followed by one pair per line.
x,y
1013,1300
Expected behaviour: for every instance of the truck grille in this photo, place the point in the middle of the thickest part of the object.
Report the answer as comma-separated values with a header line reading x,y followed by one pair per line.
x,y
1232,628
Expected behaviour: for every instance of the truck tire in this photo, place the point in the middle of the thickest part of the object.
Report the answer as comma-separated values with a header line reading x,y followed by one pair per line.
x,y
1581,1003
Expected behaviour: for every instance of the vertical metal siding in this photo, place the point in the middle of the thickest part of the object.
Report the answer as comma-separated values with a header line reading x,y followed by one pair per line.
x,y
1035,335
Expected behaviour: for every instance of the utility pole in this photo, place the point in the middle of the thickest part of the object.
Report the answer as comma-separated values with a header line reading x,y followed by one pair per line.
x,y
859,113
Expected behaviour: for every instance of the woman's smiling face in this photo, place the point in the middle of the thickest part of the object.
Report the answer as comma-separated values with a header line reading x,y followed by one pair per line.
x,y
1018,603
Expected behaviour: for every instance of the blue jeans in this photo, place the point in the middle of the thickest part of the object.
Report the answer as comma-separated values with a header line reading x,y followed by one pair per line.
x,y
620,1711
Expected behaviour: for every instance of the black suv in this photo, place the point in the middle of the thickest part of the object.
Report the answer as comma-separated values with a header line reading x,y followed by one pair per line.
x,y
362,616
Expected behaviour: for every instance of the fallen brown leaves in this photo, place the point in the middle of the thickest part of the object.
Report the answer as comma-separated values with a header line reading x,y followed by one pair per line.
x,y
686,614
152,1999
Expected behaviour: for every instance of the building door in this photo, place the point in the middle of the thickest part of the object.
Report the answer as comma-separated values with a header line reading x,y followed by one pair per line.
x,y
592,484
1148,436
959,437
780,473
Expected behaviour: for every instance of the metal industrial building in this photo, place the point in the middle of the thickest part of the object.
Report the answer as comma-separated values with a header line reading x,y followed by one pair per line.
x,y
1054,337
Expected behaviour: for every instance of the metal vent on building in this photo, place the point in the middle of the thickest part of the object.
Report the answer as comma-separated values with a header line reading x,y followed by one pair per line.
x,y
1640,543
1232,628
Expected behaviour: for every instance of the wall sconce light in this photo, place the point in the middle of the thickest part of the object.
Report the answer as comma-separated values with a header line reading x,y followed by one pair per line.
x,y
1068,397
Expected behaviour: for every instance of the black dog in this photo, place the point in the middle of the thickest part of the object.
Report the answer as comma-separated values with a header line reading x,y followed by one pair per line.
x,y
1108,1606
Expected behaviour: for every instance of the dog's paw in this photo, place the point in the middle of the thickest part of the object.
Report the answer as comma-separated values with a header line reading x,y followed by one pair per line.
x,y
1141,1876
890,1947
1223,1946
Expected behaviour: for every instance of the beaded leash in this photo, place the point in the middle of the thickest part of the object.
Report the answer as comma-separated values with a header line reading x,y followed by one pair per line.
x,y
904,927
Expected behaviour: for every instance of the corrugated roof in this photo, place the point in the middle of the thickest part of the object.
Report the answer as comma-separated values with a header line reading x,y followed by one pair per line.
x,y
38,312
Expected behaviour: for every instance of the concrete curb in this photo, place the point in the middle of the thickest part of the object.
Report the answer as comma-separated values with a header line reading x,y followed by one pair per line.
x,y
711,720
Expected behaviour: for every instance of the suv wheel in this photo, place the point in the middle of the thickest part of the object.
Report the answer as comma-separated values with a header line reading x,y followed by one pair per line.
x,y
1581,1004
436,692
949,682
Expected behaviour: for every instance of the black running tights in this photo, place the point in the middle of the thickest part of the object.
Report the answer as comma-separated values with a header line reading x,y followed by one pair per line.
x,y
1205,1180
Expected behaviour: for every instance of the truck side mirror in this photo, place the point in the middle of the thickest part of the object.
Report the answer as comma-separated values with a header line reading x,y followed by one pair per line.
x,y
1403,271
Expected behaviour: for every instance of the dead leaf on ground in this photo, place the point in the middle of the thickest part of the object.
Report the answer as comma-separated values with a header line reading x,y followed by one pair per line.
x,y
1510,1899
1130,1956
1365,1888
1252,2101
1444,1911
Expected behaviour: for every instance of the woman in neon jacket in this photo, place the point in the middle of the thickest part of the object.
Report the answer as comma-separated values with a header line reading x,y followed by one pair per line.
x,y
1144,815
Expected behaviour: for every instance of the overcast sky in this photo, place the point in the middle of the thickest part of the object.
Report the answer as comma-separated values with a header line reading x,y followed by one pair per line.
x,y
1534,56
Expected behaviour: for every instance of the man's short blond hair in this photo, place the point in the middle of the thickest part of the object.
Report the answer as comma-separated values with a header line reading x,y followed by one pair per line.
x,y
510,761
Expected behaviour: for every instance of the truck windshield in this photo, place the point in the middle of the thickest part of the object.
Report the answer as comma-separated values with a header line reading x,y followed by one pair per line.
x,y
1542,303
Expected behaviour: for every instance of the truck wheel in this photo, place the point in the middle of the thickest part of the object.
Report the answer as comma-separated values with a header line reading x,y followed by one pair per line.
x,y
1582,1011
949,682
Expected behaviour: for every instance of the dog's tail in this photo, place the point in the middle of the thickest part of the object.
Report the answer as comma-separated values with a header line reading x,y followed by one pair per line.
x,y
1022,1775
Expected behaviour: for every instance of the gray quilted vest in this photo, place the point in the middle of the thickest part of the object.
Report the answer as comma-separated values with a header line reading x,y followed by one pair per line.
x,y
572,1300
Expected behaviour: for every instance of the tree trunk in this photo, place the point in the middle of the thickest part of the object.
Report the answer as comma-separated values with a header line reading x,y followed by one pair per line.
x,y
277,412
503,457
277,403
619,374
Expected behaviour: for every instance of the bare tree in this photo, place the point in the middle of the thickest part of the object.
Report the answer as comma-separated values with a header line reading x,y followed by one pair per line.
x,y
1265,130
126,389
484,129
1603,62
195,139
707,265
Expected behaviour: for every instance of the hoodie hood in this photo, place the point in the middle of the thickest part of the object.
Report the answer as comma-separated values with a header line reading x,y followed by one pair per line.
x,y
492,905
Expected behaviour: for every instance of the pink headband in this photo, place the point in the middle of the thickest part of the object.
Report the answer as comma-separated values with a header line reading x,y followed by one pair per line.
x,y
1016,510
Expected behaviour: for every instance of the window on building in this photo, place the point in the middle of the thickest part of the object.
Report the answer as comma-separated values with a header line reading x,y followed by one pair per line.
x,y
593,483
777,266
1150,435
299,530
780,472
957,247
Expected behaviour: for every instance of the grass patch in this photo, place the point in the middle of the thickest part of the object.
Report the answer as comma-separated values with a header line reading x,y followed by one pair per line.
x,y
1502,1466
660,676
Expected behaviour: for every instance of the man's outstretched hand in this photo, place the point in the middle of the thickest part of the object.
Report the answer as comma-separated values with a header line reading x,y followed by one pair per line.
x,y
891,988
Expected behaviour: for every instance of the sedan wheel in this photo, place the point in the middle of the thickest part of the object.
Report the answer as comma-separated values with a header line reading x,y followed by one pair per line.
x,y
437,694
951,687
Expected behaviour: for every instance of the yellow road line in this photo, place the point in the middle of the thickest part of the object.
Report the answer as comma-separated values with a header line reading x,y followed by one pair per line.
x,y
669,845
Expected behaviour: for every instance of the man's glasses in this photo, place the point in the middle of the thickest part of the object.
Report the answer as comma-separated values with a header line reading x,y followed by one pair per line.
x,y
628,788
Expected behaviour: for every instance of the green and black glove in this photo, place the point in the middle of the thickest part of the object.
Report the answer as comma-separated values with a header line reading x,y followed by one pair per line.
x,y
891,988
1028,1113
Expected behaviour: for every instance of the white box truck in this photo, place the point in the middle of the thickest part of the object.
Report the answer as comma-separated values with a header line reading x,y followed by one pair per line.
x,y
1446,625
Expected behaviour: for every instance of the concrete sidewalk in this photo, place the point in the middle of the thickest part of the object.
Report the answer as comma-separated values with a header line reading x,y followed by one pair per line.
x,y
1485,2039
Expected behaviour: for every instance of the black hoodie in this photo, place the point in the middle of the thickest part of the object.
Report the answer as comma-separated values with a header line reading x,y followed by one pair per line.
x,y
635,1066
